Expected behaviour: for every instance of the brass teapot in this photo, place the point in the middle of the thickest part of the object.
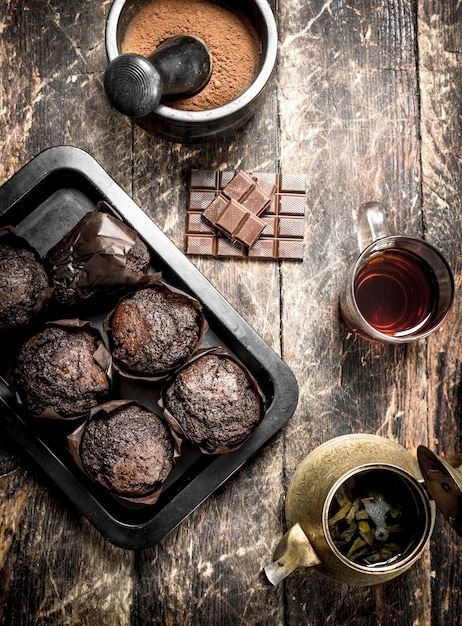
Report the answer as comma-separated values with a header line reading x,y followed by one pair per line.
x,y
361,510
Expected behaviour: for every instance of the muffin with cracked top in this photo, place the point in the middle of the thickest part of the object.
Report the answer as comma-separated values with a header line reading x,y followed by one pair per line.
x,y
155,330
24,283
213,402
127,449
62,371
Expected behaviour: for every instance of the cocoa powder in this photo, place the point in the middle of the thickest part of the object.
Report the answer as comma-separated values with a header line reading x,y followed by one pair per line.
x,y
233,44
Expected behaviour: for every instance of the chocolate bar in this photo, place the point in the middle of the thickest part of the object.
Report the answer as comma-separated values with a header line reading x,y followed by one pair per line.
x,y
281,221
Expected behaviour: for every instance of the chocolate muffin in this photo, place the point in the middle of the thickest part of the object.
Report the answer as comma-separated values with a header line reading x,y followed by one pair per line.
x,y
97,258
24,284
215,403
128,450
138,257
155,330
62,371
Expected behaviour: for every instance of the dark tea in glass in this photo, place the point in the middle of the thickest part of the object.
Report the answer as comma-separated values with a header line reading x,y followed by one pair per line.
x,y
400,288
396,292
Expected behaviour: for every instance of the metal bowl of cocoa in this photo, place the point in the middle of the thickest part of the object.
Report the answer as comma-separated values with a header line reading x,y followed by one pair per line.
x,y
241,37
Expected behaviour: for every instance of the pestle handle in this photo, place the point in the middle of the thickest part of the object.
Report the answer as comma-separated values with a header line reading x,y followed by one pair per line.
x,y
184,65
133,85
179,66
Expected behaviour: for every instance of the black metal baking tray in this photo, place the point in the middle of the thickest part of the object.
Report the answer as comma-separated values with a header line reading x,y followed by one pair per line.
x,y
44,200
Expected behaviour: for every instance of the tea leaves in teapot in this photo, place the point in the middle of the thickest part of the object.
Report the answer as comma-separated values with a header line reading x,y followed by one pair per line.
x,y
370,520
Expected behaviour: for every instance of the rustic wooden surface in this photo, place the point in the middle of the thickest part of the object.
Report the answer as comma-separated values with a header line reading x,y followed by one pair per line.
x,y
366,101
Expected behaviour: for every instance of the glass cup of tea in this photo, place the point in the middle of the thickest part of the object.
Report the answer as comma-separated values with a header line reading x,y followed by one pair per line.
x,y
400,289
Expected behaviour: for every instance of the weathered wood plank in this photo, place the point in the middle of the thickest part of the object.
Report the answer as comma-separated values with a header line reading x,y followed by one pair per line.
x,y
441,92
350,115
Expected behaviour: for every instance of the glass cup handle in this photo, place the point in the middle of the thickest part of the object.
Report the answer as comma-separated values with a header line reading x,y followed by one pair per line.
x,y
372,224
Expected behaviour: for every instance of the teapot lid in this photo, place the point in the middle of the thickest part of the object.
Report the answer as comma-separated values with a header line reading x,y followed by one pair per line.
x,y
443,479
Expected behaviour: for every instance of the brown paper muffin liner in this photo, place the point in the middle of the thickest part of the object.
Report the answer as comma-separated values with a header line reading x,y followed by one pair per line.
x,y
155,281
91,259
176,426
10,238
102,357
75,438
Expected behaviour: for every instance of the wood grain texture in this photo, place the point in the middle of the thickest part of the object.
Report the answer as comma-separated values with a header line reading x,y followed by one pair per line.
x,y
441,91
366,101
358,137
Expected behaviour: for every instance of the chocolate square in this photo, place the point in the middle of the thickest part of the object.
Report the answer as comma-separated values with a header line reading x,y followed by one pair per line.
x,y
256,200
196,225
200,200
231,218
250,230
290,227
239,186
227,248
202,245
215,209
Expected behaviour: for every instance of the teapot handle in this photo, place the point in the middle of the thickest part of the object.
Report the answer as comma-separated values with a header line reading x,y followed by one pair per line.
x,y
293,551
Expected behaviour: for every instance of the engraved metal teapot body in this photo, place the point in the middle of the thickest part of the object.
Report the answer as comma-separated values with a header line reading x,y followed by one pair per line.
x,y
359,510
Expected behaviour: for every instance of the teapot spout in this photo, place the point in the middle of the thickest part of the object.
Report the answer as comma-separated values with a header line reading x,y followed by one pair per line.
x,y
293,551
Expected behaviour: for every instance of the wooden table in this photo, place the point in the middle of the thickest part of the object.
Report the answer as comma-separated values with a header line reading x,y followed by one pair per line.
x,y
366,101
